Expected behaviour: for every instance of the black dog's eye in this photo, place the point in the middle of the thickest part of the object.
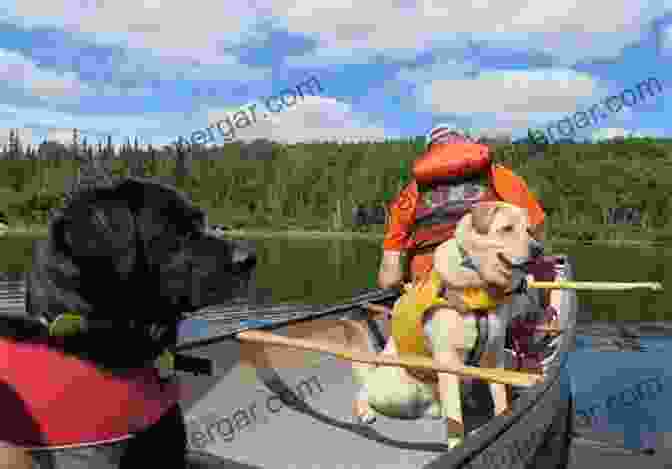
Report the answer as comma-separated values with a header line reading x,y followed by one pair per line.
x,y
193,236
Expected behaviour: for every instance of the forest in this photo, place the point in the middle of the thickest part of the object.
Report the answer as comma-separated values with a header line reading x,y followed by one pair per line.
x,y
317,186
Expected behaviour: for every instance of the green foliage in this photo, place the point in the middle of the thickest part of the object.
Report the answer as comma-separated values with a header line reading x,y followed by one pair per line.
x,y
316,185
35,210
16,174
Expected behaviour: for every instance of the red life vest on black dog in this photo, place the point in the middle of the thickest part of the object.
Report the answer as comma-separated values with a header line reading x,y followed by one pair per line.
x,y
93,406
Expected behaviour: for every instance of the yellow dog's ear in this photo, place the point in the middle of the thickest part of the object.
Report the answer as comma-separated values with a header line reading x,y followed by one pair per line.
x,y
464,228
483,214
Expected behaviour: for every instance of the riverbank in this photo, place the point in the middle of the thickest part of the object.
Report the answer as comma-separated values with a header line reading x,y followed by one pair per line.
x,y
252,233
262,234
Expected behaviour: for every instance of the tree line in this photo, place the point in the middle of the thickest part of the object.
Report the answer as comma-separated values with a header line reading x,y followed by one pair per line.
x,y
321,185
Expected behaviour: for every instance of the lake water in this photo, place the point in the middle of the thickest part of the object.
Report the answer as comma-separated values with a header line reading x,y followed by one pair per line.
x,y
617,392
323,271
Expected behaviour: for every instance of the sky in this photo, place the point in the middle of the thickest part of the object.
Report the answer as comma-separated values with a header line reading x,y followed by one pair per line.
x,y
163,69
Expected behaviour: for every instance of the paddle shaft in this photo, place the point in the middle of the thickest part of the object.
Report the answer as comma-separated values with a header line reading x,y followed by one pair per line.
x,y
407,361
597,286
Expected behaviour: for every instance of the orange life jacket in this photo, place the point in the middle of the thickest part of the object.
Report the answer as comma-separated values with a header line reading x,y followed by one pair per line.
x,y
440,209
452,178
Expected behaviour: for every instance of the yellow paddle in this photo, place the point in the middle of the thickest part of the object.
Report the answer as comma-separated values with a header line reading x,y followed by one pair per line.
x,y
495,375
595,286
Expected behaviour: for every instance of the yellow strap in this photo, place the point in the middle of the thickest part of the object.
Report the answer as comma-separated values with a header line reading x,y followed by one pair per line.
x,y
478,299
165,363
70,324
66,324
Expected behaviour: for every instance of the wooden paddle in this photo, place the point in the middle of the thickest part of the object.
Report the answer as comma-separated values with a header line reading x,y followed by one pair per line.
x,y
495,375
595,286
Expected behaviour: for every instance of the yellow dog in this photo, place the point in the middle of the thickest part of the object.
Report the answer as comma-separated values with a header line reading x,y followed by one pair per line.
x,y
473,274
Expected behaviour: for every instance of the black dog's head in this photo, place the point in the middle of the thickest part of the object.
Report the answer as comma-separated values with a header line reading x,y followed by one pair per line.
x,y
137,250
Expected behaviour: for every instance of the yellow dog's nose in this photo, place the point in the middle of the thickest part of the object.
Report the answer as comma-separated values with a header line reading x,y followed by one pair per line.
x,y
514,261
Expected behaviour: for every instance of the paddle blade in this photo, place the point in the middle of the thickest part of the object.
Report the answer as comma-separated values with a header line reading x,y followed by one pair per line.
x,y
596,286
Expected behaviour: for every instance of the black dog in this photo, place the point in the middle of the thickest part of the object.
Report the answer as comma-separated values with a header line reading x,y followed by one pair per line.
x,y
138,253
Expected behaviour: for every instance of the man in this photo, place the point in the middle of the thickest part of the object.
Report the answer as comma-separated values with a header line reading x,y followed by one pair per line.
x,y
451,176
4,224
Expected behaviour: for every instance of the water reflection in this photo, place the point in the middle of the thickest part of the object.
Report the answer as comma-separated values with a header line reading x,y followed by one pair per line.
x,y
324,271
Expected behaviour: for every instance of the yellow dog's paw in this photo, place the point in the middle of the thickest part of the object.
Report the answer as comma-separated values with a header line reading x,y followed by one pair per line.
x,y
453,441
362,413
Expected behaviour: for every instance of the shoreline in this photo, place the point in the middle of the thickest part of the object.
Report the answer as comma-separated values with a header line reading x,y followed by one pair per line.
x,y
339,235
311,234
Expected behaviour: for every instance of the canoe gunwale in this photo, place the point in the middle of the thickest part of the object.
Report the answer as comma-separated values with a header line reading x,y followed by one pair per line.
x,y
464,454
299,313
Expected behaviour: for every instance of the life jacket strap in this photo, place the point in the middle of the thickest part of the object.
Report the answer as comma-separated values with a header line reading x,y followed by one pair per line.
x,y
472,357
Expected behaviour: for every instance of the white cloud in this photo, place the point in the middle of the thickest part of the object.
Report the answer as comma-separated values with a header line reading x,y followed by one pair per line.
x,y
503,101
510,93
664,40
562,28
122,125
168,35
314,118
17,71
170,28
350,34
63,136
310,119
25,135
612,132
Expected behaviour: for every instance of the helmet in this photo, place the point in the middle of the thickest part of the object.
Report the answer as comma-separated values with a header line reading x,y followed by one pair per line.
x,y
446,133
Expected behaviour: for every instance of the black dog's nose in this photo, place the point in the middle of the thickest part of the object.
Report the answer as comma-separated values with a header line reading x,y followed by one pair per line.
x,y
244,258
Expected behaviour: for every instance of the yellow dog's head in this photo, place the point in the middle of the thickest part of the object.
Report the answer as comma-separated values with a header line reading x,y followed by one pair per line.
x,y
496,237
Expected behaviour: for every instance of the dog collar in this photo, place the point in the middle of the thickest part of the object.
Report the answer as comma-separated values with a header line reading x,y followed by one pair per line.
x,y
72,323
167,363
66,324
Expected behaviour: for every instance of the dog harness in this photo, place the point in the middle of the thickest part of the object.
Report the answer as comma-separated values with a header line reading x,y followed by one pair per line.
x,y
408,324
52,400
71,324
95,405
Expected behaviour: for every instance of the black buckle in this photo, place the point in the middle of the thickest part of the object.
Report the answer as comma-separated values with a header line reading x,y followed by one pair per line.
x,y
193,365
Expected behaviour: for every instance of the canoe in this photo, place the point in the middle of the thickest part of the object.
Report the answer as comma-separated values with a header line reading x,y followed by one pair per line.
x,y
298,415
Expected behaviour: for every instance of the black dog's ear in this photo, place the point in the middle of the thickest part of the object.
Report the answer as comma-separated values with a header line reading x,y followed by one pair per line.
x,y
102,230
